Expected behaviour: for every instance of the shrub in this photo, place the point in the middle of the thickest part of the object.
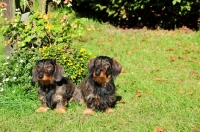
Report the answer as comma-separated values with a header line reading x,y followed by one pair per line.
x,y
43,29
166,14
16,70
44,36
74,61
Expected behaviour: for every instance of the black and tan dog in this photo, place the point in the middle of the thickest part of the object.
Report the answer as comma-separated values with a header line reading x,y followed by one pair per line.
x,y
97,91
54,90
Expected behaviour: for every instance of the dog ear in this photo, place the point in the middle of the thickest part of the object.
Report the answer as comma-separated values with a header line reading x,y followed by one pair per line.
x,y
116,68
34,73
91,65
59,71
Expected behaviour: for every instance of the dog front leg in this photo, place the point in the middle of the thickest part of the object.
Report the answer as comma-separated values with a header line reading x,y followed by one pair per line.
x,y
43,107
60,104
78,97
90,108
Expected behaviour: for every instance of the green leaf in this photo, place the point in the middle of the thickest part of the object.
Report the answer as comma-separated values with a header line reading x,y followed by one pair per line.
x,y
28,39
176,1
21,44
124,16
59,39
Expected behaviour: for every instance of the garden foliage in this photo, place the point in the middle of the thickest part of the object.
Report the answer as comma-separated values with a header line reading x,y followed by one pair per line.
x,y
43,36
166,14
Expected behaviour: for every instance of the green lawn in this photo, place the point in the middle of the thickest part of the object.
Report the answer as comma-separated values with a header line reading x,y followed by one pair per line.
x,y
159,86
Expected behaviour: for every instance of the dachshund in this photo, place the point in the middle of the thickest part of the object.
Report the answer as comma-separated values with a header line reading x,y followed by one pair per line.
x,y
54,90
97,90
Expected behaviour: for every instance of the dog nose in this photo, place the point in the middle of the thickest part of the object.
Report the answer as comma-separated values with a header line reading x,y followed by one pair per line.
x,y
40,76
98,72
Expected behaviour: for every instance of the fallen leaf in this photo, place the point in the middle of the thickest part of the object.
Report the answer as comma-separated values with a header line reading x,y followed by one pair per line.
x,y
159,79
180,68
187,51
138,93
172,58
191,60
129,52
170,49
147,92
191,92
181,91
144,39
157,70
132,83
196,130
192,72
159,129
181,58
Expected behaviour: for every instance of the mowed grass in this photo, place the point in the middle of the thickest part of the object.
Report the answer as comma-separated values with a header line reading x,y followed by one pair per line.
x,y
158,88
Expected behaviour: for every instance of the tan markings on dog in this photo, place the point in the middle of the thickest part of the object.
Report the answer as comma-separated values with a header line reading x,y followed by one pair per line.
x,y
43,99
71,99
101,79
46,80
88,112
82,101
109,111
97,100
61,110
58,97
42,109
43,83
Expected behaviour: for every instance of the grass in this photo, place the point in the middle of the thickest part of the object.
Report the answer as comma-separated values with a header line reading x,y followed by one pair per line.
x,y
159,86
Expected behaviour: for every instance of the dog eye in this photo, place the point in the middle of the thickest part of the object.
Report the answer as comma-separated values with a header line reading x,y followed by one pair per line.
x,y
38,67
48,68
98,62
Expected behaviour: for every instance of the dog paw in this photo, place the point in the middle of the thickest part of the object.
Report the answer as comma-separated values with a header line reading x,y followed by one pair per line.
x,y
88,112
42,109
82,102
109,111
60,110
71,99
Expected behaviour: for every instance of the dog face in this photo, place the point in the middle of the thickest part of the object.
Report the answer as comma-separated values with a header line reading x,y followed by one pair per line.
x,y
47,71
103,69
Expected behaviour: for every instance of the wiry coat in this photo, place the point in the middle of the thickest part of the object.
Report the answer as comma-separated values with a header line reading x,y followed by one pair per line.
x,y
98,97
97,91
54,90
57,94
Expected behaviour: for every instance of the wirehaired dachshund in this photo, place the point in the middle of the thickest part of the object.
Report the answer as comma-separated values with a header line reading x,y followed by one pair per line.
x,y
97,91
54,90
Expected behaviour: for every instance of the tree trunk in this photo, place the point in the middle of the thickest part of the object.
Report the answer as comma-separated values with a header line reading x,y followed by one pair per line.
x,y
43,5
10,12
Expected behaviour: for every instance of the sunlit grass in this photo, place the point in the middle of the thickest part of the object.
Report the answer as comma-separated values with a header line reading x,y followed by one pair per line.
x,y
159,86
